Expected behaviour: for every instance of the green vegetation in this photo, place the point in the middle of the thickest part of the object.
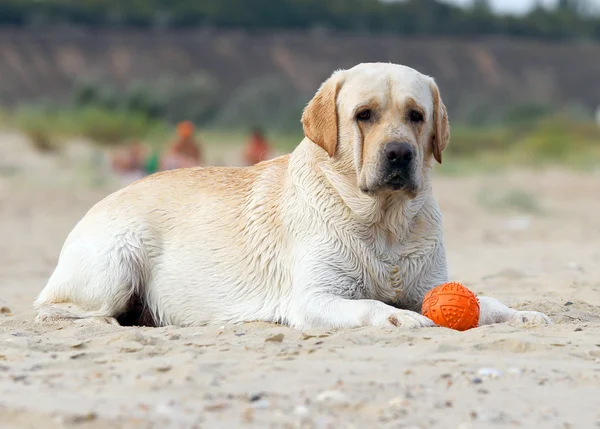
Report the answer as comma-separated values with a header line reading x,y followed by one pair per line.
x,y
553,139
412,17
48,128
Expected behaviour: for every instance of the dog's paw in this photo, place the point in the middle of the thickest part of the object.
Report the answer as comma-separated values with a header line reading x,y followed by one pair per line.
x,y
529,318
97,320
405,319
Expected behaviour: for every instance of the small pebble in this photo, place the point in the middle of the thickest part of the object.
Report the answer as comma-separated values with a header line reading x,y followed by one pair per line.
x,y
81,418
595,353
398,401
256,396
578,329
215,380
514,371
5,310
301,410
476,380
490,373
217,406
332,396
443,404
260,404
163,368
568,303
277,338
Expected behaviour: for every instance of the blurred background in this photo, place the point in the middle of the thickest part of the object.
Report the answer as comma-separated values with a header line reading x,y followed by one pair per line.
x,y
107,83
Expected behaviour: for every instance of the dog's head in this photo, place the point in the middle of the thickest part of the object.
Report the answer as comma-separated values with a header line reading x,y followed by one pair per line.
x,y
386,121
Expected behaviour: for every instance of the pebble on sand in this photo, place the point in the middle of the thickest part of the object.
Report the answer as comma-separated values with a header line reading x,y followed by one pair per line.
x,y
277,338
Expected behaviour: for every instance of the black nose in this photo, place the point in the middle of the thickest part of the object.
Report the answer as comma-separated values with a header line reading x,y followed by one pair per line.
x,y
399,152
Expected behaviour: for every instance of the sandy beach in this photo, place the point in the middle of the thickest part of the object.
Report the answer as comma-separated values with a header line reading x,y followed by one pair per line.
x,y
528,238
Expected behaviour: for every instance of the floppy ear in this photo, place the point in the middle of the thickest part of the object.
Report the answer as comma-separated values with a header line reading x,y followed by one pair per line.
x,y
320,119
441,132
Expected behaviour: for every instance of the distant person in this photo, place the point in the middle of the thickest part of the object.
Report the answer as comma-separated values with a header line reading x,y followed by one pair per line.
x,y
257,148
184,151
132,160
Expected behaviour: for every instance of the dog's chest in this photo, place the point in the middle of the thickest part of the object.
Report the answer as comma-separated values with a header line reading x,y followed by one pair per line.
x,y
394,269
388,260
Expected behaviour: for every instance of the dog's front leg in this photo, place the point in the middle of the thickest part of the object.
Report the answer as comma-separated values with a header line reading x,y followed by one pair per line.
x,y
493,311
321,310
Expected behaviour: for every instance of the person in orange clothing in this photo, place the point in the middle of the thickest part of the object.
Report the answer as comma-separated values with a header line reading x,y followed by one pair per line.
x,y
183,151
257,148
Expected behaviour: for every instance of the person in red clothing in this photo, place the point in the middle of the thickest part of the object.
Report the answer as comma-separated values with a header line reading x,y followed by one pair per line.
x,y
257,148
183,151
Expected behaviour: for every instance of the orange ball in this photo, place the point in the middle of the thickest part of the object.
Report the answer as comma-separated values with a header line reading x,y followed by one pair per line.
x,y
452,305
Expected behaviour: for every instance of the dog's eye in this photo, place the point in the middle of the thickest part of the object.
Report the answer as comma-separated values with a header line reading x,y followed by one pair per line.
x,y
416,116
365,115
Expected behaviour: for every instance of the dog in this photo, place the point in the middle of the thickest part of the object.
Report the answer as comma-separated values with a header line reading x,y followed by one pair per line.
x,y
341,233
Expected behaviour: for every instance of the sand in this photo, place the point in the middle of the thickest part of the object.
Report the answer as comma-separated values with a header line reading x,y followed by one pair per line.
x,y
529,238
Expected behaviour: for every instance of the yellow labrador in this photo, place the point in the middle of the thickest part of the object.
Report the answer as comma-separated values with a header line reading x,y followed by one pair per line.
x,y
343,232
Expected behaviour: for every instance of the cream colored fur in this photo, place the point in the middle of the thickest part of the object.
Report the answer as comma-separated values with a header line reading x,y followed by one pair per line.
x,y
311,239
